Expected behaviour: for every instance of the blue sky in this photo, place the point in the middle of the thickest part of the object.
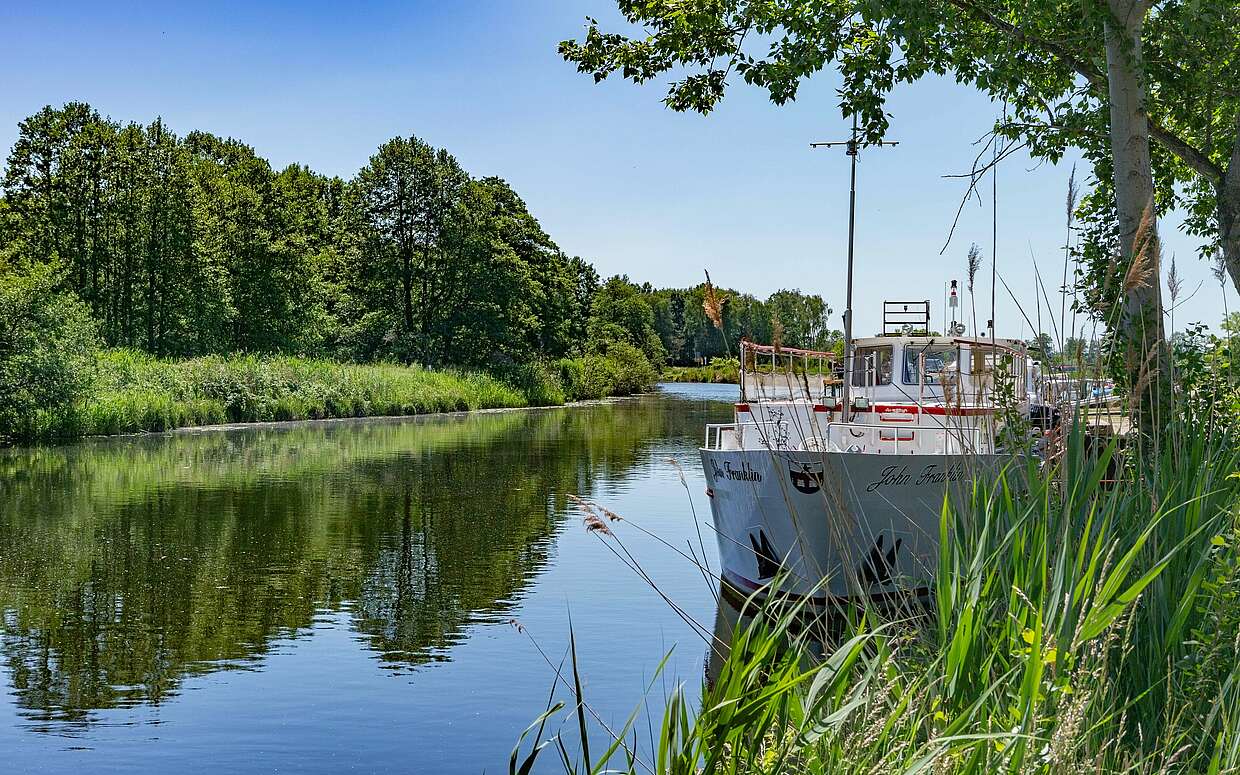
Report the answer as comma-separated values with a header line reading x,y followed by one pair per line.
x,y
612,175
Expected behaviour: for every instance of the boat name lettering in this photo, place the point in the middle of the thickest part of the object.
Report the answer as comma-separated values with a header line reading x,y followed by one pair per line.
x,y
743,474
891,475
938,475
897,476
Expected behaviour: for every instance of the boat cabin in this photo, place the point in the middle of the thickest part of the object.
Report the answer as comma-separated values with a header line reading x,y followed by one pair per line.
x,y
908,394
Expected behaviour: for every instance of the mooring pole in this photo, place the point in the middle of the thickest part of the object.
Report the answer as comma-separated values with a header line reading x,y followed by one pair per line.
x,y
853,147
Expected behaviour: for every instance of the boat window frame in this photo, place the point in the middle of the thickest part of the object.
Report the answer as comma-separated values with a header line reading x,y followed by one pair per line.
x,y
858,373
908,369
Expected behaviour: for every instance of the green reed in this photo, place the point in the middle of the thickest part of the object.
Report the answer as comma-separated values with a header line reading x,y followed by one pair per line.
x,y
134,392
1081,620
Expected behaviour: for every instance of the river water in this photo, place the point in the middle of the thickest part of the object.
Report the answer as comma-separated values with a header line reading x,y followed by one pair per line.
x,y
379,595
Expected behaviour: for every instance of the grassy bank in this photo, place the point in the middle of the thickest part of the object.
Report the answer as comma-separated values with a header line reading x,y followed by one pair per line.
x,y
131,392
722,371
1075,626
721,374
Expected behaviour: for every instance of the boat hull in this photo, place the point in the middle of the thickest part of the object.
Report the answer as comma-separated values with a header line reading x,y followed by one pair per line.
x,y
833,524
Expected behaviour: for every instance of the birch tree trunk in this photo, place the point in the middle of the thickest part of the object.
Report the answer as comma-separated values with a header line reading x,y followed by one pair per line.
x,y
1140,324
1228,194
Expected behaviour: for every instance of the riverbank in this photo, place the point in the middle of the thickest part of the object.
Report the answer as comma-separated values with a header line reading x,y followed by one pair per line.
x,y
132,392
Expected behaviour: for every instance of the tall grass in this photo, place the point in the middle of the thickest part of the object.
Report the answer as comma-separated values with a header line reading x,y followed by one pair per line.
x,y
134,392
1076,625
725,373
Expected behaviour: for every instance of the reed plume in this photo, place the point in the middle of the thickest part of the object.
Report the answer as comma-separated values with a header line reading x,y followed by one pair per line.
x,y
1072,197
712,304
593,522
611,515
974,263
1144,253
1069,215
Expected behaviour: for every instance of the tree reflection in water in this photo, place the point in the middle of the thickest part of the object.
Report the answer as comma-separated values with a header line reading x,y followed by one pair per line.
x,y
127,565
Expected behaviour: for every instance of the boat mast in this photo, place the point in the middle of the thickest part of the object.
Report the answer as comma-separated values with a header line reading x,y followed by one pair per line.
x,y
852,146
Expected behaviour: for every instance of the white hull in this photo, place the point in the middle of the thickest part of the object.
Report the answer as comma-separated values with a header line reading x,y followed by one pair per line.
x,y
834,524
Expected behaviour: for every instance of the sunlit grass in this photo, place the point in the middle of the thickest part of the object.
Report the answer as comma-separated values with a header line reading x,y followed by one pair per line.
x,y
135,392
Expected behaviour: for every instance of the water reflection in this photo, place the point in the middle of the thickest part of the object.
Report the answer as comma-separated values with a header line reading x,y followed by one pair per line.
x,y
128,565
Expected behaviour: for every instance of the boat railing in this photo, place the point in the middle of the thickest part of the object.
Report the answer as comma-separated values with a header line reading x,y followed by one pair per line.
x,y
896,440
849,437
714,434
773,434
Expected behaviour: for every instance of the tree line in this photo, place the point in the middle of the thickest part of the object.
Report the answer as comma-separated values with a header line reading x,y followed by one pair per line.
x,y
787,317
190,245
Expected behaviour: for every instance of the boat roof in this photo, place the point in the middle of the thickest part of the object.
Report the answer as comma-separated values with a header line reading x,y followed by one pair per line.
x,y
921,341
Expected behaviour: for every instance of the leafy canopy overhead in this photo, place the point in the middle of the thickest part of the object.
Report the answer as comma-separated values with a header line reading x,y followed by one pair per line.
x,y
1044,58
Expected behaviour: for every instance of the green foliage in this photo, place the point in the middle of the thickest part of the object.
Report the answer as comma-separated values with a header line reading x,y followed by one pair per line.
x,y
1075,626
540,382
1207,379
719,371
1231,324
619,369
1045,60
137,393
186,246
621,314
47,342
194,246
1058,68
689,336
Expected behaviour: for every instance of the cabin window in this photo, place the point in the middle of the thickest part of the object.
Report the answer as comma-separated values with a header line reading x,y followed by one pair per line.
x,y
939,360
871,366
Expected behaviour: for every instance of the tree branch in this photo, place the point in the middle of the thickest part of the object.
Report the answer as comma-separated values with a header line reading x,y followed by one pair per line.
x,y
1195,159
1191,156
1080,66
978,172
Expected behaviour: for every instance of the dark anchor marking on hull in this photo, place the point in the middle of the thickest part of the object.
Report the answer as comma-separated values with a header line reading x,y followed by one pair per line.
x,y
806,479
877,567
768,565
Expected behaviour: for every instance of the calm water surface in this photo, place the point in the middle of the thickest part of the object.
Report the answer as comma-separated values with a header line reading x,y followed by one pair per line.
x,y
339,596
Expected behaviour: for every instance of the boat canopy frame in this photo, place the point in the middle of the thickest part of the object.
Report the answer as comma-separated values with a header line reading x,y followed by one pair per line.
x,y
783,361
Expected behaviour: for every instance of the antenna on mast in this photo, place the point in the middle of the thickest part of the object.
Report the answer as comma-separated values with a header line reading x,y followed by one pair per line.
x,y
853,148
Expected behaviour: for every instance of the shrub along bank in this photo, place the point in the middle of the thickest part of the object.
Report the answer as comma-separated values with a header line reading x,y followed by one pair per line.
x,y
132,392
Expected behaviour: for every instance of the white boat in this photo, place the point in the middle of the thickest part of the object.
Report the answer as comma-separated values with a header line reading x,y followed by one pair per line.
x,y
836,487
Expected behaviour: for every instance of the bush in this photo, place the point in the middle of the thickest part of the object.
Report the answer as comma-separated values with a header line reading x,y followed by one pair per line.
x,y
541,383
47,352
633,372
620,370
